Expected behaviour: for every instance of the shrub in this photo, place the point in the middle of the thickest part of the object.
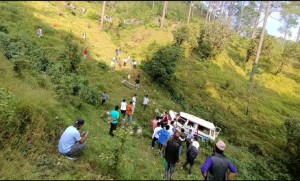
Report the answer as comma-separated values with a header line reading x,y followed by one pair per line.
x,y
213,39
161,66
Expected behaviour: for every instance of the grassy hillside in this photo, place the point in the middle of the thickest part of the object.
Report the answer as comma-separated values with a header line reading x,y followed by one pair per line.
x,y
35,110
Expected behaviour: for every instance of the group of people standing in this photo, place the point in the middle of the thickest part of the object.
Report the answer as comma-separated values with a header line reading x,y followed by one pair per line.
x,y
170,142
127,111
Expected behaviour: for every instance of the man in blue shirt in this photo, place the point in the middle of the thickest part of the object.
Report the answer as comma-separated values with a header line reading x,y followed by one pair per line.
x,y
163,138
216,166
104,97
114,116
71,143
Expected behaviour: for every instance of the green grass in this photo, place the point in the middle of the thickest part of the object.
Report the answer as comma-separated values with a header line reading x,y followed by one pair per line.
x,y
216,91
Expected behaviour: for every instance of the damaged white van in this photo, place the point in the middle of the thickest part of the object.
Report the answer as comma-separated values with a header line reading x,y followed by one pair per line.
x,y
204,129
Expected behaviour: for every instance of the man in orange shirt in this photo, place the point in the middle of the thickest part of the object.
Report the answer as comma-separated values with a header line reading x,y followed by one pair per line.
x,y
129,113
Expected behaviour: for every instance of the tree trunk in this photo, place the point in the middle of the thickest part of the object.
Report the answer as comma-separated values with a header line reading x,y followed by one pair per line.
x,y
230,10
201,8
260,42
210,12
207,13
102,15
163,15
240,18
257,20
214,10
279,69
298,36
189,16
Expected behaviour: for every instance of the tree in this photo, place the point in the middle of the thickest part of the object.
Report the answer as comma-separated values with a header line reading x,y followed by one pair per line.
x,y
257,19
240,17
207,12
288,21
163,15
161,66
260,42
102,15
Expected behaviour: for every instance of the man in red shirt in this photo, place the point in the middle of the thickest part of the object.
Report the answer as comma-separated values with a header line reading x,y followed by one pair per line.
x,y
85,53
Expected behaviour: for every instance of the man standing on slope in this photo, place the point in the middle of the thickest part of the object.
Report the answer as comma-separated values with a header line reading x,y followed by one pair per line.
x,y
172,155
216,166
114,116
104,97
71,143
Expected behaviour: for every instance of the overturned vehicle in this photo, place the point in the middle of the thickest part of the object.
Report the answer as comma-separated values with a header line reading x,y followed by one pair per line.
x,y
200,127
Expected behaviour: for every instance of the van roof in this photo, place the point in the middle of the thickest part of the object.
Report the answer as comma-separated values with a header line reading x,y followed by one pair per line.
x,y
197,120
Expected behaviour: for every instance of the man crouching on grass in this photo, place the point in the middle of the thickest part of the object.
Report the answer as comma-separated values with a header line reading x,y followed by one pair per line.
x,y
71,142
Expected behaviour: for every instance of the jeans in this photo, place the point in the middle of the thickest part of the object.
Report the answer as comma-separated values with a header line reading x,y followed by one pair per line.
x,y
129,117
112,128
103,101
191,165
76,149
169,169
180,149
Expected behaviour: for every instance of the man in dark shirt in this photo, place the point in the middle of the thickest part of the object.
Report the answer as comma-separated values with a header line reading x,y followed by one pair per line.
x,y
171,155
216,166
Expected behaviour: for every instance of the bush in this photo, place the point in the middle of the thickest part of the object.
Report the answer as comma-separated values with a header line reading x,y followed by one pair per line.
x,y
213,39
161,66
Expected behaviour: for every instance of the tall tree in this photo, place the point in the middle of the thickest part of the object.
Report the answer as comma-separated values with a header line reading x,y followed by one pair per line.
x,y
102,15
163,15
257,19
190,11
207,12
230,13
288,21
240,17
260,41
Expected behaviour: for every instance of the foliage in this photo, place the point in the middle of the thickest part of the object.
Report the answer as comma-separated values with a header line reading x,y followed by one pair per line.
x,y
161,66
292,126
212,40
186,37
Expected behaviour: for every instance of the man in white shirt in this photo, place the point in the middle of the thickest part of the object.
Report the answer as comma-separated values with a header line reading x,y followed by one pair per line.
x,y
133,102
155,136
145,102
123,107
71,143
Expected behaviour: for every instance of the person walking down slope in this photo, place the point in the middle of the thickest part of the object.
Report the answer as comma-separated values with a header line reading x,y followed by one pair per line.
x,y
216,166
104,96
85,53
171,155
114,117
129,112
191,155
40,32
145,102
137,83
134,102
123,107
71,142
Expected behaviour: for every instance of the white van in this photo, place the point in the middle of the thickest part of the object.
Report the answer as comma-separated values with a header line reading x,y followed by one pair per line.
x,y
204,129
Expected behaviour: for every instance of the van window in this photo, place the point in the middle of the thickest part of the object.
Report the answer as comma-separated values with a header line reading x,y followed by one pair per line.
x,y
190,123
203,129
181,120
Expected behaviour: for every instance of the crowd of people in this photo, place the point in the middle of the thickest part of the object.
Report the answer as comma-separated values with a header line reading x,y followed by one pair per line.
x,y
170,141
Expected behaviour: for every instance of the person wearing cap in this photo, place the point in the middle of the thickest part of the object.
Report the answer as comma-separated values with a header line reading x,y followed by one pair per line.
x,y
216,166
114,117
171,154
71,142
191,155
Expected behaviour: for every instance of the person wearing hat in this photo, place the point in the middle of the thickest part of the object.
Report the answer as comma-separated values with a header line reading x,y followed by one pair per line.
x,y
191,155
171,155
216,166
71,142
